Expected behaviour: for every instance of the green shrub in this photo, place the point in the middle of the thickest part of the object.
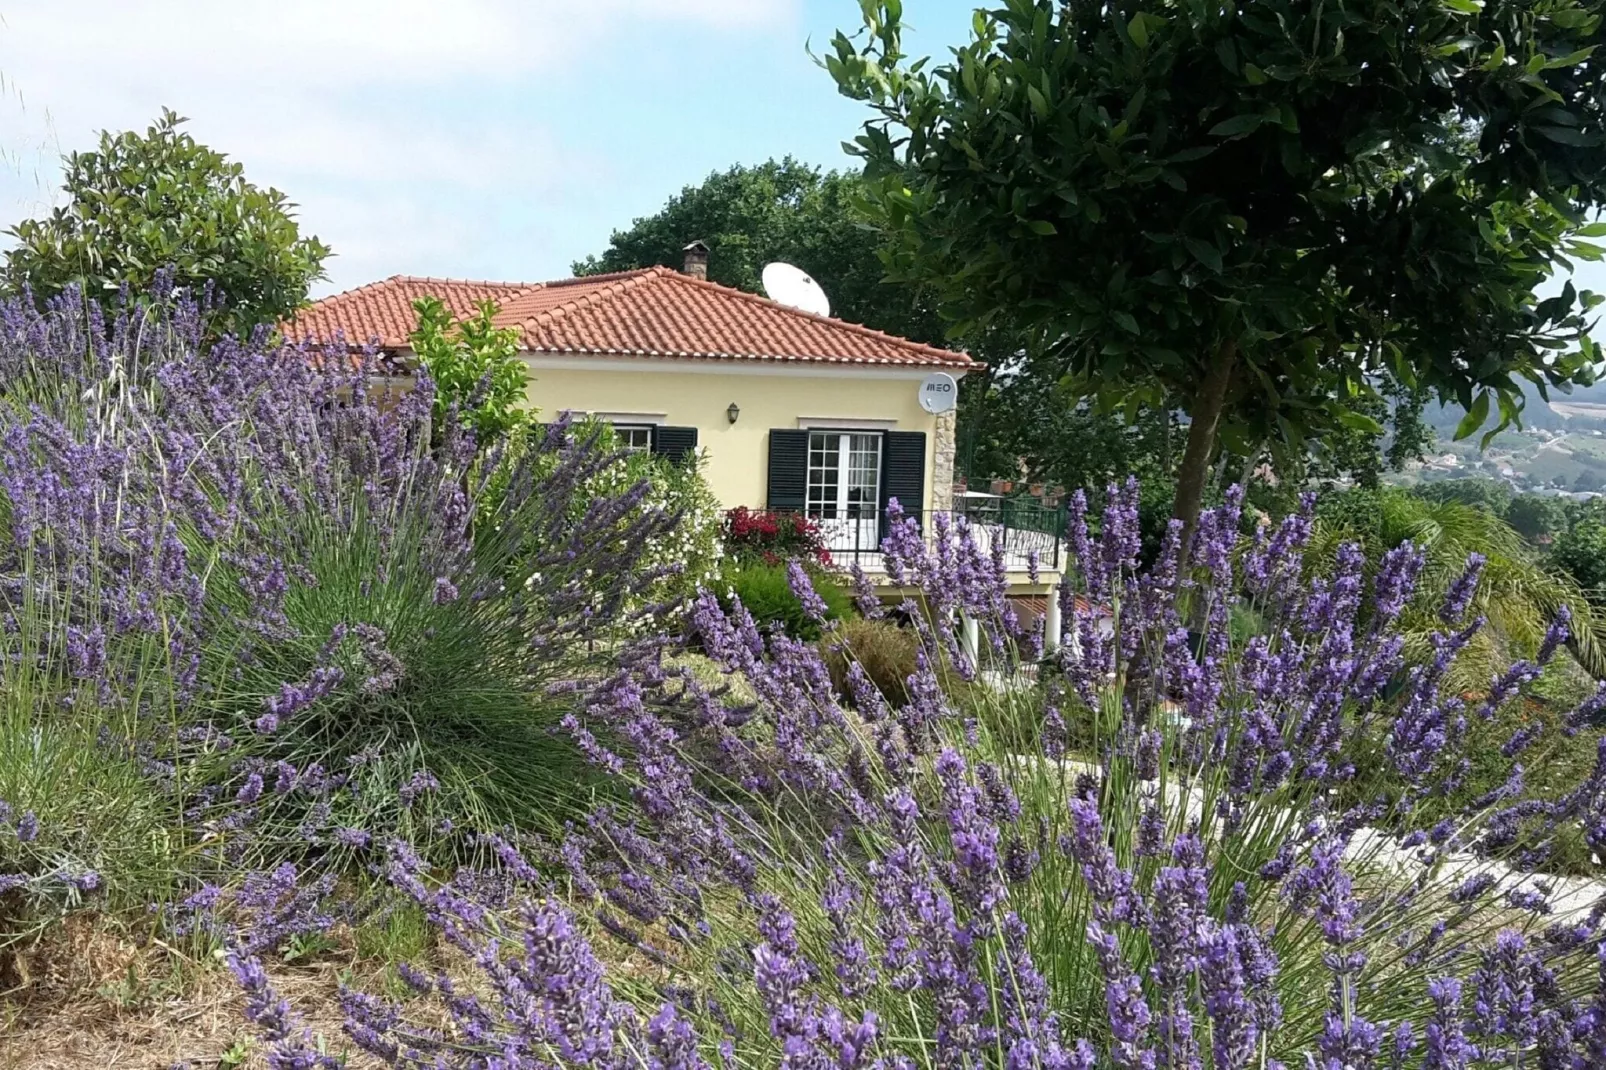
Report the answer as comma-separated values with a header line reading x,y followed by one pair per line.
x,y
443,647
1581,552
478,372
766,594
887,652
106,831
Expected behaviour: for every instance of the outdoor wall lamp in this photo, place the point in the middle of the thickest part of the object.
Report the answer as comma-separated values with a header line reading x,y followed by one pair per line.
x,y
734,411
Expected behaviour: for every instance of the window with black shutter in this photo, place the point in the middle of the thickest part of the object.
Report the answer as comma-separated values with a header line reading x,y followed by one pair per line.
x,y
903,471
789,471
676,443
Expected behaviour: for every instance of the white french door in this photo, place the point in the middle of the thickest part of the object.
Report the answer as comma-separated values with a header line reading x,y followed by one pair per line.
x,y
844,491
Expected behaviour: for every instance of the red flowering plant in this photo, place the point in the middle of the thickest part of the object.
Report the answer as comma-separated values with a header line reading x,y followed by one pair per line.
x,y
773,537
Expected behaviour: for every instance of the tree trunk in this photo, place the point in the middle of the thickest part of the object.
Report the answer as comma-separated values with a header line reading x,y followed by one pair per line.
x,y
1205,419
1166,458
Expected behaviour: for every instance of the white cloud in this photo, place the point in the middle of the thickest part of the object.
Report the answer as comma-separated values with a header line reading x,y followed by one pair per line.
x,y
362,109
331,43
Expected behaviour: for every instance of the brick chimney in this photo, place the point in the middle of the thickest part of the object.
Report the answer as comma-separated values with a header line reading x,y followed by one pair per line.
x,y
697,260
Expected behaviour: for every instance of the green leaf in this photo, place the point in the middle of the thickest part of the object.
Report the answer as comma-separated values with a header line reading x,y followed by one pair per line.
x,y
1476,415
1039,101
1042,226
1138,30
1572,59
1237,126
1592,230
1254,75
1566,136
1228,57
1207,254
1126,321
1359,421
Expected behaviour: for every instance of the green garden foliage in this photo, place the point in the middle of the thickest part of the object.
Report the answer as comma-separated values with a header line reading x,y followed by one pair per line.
x,y
1581,552
1534,516
765,593
476,367
1490,495
140,205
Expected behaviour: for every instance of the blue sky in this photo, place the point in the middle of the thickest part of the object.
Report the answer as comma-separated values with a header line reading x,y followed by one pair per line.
x,y
480,139
496,139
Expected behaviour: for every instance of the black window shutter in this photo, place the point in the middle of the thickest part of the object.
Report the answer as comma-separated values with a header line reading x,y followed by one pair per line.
x,y
676,443
789,470
903,471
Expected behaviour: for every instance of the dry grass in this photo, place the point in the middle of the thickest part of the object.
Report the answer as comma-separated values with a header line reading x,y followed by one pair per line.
x,y
91,996
97,991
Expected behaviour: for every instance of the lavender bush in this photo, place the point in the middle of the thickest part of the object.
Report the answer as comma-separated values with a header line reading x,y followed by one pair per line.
x,y
274,591
1161,877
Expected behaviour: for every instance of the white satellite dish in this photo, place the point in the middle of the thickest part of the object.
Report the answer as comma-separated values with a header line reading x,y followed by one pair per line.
x,y
792,286
939,393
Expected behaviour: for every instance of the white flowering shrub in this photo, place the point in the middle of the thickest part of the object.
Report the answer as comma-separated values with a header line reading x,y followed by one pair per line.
x,y
694,548
689,553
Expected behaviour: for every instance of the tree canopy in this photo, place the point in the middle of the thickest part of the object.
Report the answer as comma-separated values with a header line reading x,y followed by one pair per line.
x,y
1258,211
141,205
777,210
1010,424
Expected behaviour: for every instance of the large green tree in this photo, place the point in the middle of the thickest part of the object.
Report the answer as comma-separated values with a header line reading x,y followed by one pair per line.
x,y
750,216
1257,210
142,204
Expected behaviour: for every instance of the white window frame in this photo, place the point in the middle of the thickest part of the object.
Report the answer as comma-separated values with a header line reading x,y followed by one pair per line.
x,y
832,454
839,423
632,419
634,438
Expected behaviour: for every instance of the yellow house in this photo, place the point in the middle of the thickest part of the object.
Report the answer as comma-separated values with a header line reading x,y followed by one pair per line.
x,y
788,411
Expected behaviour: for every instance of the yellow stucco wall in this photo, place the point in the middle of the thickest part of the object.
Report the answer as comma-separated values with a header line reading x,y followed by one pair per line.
x,y
699,393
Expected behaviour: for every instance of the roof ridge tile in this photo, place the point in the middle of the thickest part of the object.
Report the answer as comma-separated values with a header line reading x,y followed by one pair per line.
x,y
833,321
652,311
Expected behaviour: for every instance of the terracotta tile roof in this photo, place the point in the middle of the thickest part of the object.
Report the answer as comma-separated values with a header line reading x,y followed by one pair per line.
x,y
653,312
383,311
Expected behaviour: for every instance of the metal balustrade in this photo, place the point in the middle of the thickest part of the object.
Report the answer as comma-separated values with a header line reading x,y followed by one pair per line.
x,y
1024,528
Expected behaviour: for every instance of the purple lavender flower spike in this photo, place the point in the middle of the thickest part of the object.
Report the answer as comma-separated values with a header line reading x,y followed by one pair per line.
x,y
290,1045
803,589
1459,596
864,594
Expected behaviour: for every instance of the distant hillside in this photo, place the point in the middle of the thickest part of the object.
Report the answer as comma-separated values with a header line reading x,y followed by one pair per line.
x,y
1582,410
1561,446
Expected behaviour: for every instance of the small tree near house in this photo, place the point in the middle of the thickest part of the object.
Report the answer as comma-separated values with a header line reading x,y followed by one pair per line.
x,y
475,365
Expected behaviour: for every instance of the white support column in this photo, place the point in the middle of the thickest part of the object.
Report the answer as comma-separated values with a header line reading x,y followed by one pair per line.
x,y
1051,620
970,638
